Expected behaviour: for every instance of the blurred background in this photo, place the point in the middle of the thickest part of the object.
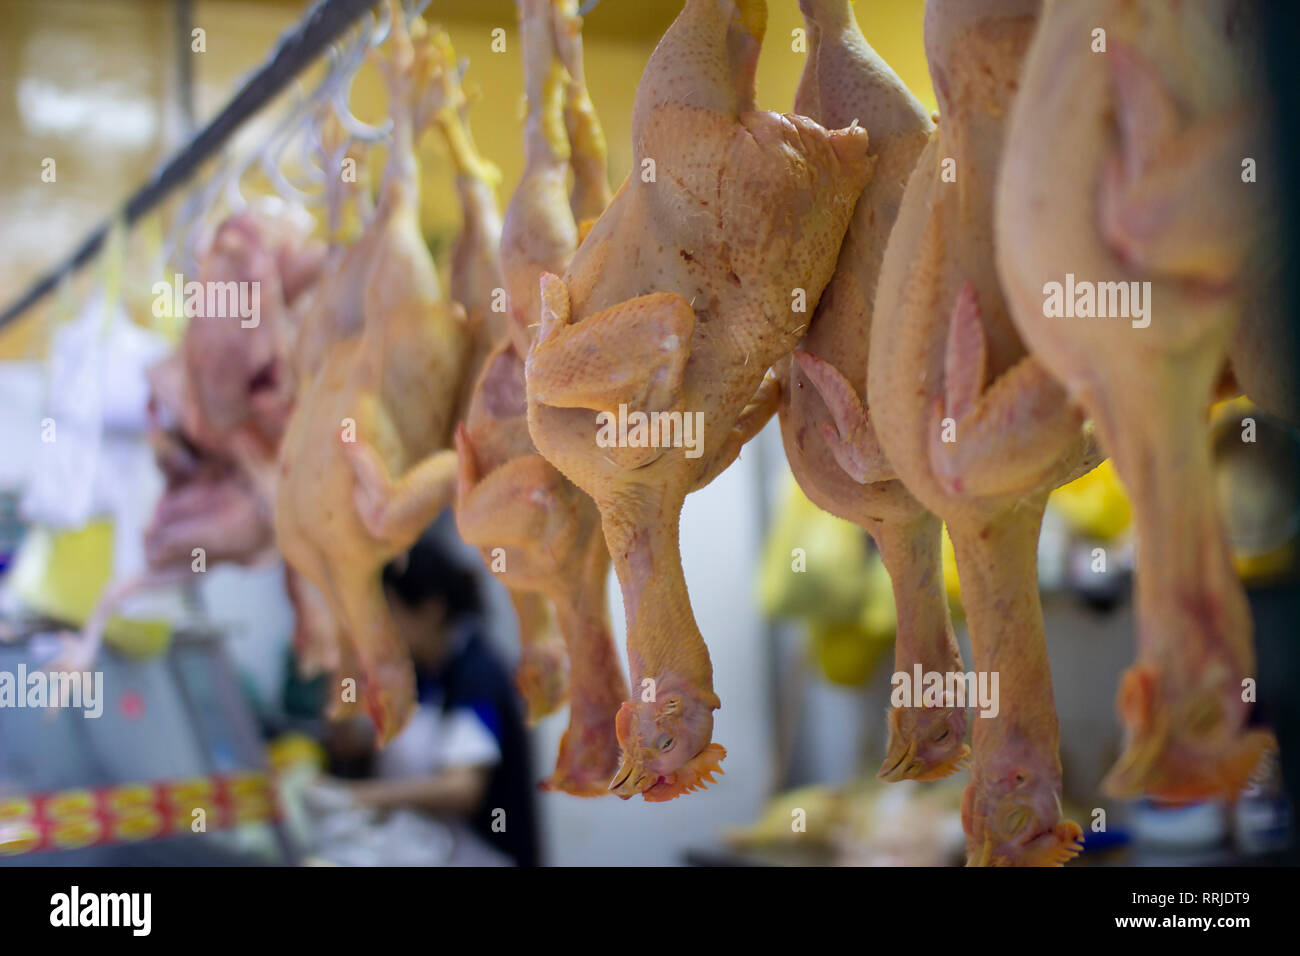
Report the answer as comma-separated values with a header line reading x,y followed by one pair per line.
x,y
201,687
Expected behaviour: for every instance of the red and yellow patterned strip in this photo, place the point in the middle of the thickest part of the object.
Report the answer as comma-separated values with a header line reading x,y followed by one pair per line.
x,y
129,813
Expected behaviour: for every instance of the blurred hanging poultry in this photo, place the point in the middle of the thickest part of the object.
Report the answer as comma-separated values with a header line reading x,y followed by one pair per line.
x,y
490,523
330,310
334,308
974,426
1131,158
210,512
680,298
829,438
208,501
241,381
536,529
217,411
476,275
365,464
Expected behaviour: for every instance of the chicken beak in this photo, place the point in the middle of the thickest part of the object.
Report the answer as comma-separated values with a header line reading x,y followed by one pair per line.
x,y
630,779
896,768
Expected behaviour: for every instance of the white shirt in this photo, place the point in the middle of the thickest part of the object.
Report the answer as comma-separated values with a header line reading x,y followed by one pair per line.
x,y
435,741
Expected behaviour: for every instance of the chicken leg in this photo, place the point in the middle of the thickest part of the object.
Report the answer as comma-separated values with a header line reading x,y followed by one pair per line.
x,y
476,274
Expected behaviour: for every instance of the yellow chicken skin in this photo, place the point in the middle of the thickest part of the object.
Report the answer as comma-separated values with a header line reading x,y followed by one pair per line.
x,y
974,427
366,463
476,273
1132,161
825,423
537,530
333,309
683,294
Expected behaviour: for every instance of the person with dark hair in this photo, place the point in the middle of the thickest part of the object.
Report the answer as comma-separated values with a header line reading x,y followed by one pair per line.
x,y
464,753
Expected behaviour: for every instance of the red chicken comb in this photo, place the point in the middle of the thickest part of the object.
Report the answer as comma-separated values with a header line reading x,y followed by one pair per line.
x,y
696,774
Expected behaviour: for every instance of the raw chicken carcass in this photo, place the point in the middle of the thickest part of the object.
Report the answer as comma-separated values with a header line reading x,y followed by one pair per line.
x,y
829,439
477,279
208,501
974,427
241,385
563,140
365,464
334,308
217,410
1125,168
496,429
268,243
211,511
237,368
536,529
680,298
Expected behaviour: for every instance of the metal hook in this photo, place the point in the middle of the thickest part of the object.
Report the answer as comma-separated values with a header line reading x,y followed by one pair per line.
x,y
193,218
279,181
231,192
310,147
337,89
380,36
355,128
301,122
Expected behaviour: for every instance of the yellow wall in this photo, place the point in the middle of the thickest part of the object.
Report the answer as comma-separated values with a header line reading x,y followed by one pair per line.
x,y
91,83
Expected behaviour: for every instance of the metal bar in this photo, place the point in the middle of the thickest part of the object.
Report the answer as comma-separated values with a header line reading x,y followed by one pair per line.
x,y
323,24
185,65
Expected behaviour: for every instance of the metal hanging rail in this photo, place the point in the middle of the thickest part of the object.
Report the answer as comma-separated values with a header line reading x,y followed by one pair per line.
x,y
324,23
